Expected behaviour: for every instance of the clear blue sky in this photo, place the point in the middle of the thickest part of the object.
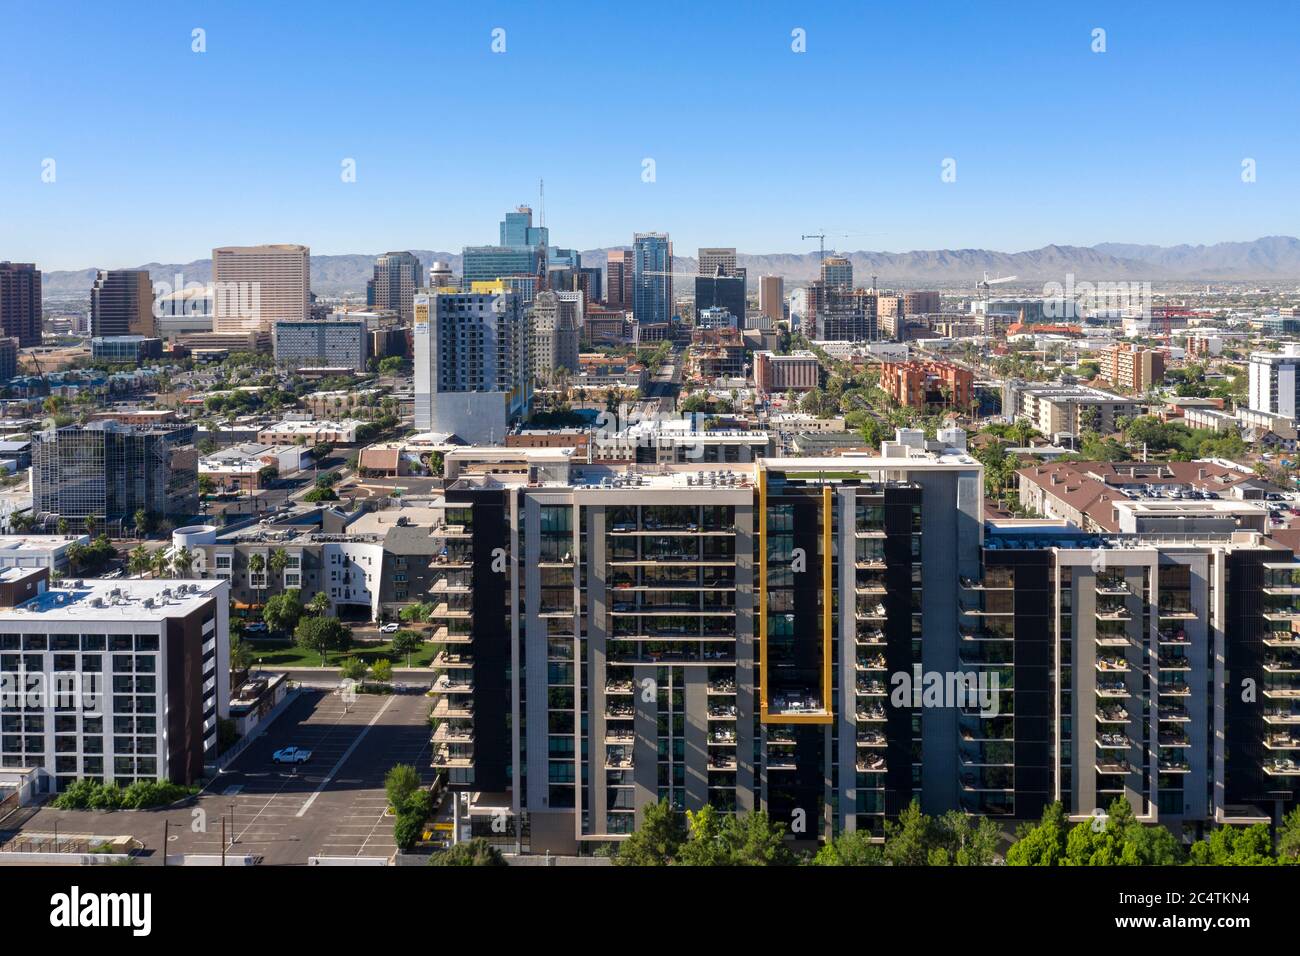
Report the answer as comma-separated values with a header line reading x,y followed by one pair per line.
x,y
163,153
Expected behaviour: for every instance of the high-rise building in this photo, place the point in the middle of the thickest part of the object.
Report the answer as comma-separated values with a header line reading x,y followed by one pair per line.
x,y
771,301
837,273
829,639
652,280
618,279
336,342
109,471
256,286
721,291
517,229
717,262
843,314
397,276
137,676
1274,380
121,303
491,263
1132,368
20,302
440,276
472,374
556,324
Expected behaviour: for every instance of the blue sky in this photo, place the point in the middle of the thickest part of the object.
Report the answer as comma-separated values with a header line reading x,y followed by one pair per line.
x,y
162,153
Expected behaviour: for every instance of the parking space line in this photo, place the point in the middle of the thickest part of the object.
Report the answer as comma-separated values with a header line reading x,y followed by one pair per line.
x,y
347,753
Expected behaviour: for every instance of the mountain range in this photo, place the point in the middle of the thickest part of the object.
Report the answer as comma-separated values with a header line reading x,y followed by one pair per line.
x,y
1271,258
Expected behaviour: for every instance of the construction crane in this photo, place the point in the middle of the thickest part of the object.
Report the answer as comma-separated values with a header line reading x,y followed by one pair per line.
x,y
983,286
821,240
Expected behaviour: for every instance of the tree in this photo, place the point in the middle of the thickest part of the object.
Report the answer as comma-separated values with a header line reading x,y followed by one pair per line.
x,y
1041,844
241,655
406,830
657,841
89,524
138,560
855,848
142,522
909,841
283,611
405,643
354,668
1288,837
276,564
1234,846
322,635
267,475
159,562
382,671
401,781
206,485
256,565
414,613
319,603
62,526
475,852
183,562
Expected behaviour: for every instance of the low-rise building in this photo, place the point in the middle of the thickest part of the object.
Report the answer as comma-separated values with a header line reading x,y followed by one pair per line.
x,y
918,384
797,372
240,467
310,432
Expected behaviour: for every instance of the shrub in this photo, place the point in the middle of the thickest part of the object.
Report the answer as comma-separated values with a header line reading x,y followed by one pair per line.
x,y
407,830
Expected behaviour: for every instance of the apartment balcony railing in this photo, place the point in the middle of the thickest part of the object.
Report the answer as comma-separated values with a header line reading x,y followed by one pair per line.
x,y
1284,740
453,682
871,738
1178,636
447,757
722,688
870,713
448,707
872,763
1113,741
1114,665
1112,714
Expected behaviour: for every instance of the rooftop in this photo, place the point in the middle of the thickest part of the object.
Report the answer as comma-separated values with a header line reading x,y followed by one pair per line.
x,y
130,600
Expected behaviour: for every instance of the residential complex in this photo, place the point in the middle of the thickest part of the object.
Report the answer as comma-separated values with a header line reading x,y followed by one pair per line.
x,y
335,342
122,680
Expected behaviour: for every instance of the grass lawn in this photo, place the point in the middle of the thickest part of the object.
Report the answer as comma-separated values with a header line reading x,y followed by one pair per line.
x,y
278,653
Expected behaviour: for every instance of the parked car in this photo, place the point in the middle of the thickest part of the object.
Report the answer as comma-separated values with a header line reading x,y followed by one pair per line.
x,y
256,627
392,627
291,755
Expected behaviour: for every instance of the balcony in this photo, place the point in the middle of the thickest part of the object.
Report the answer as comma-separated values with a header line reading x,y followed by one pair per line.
x,y
1281,664
722,687
722,736
1113,665
1113,612
1173,765
1282,639
1113,640
445,635
618,687
448,757
872,688
1173,714
875,612
970,584
871,713
1174,738
453,682
620,735
1282,614
446,660
1282,740
450,707
722,761
718,711
1175,689
618,710
871,662
1112,689
871,763
1178,636
447,585
1172,662
1113,588
1113,741
1178,612
1280,716
872,638
1112,714
1107,764
869,739
447,611
1282,767
453,732
617,759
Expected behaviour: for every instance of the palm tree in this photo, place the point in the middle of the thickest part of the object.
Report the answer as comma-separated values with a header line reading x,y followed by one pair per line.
x,y
278,562
159,562
141,522
138,560
319,603
183,562
256,565
90,525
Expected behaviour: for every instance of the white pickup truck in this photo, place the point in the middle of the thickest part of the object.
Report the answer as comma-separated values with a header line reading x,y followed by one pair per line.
x,y
291,755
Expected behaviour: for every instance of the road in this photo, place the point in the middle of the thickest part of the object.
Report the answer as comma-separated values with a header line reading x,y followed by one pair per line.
x,y
666,384
333,806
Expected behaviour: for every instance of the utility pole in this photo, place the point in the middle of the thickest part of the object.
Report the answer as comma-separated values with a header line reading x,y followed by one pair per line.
x,y
166,828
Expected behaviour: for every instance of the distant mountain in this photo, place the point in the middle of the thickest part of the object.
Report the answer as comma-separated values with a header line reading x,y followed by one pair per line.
x,y
1270,258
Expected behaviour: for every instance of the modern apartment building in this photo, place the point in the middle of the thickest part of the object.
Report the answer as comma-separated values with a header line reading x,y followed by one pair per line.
x,y
108,471
396,278
1132,368
256,286
472,374
1067,409
335,342
922,384
116,681
20,302
1274,382
121,303
652,280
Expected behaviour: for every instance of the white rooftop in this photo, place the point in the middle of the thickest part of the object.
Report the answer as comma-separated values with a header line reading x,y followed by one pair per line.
x,y
120,600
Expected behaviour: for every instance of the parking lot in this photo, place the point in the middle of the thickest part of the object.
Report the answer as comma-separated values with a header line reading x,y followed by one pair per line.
x,y
332,806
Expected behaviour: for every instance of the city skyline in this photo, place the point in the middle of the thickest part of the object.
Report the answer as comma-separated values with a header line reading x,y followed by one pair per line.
x,y
1083,154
